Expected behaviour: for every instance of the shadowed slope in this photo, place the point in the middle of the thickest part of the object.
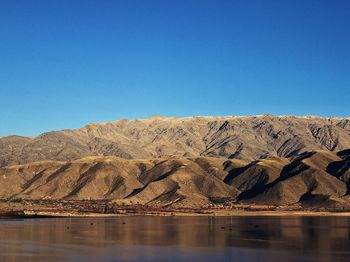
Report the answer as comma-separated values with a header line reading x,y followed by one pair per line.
x,y
306,175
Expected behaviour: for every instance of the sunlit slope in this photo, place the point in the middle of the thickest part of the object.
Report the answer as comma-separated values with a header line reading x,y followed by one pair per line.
x,y
246,138
311,178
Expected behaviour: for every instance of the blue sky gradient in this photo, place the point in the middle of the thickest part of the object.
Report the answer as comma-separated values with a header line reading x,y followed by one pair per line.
x,y
64,63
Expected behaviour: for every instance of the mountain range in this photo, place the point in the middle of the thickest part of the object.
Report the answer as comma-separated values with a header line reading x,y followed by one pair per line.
x,y
185,162
245,138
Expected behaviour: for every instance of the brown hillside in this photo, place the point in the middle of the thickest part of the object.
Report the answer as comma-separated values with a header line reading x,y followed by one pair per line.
x,y
318,178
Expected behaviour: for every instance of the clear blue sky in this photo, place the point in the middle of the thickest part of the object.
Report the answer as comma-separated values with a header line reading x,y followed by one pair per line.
x,y
64,63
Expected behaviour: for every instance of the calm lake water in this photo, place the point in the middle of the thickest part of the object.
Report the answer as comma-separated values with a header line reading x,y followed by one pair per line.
x,y
142,238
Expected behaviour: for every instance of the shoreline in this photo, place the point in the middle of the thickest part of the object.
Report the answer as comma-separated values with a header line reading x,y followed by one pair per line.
x,y
99,208
222,213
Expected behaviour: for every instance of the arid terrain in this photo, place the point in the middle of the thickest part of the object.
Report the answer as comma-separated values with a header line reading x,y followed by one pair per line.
x,y
293,163
246,138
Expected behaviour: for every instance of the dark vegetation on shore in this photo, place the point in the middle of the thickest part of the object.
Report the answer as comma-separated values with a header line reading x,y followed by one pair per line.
x,y
57,208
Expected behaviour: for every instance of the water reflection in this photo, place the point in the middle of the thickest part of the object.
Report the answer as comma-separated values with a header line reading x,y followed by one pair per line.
x,y
176,238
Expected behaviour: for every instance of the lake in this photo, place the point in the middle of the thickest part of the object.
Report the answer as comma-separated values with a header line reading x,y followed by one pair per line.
x,y
149,238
